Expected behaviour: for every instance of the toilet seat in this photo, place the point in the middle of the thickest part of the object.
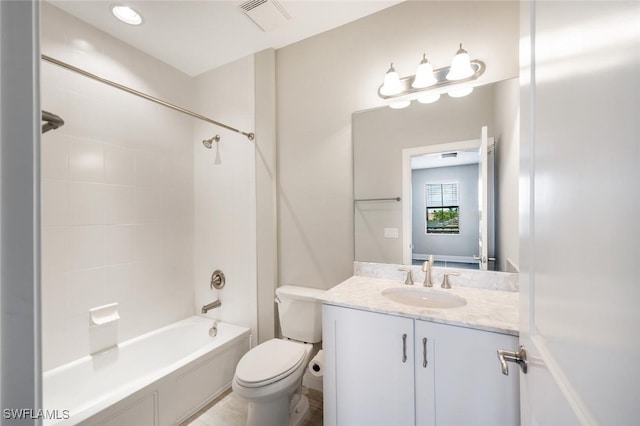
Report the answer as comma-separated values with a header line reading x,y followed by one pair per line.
x,y
269,362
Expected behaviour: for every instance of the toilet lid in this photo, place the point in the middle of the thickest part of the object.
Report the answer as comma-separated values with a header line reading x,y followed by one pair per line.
x,y
269,362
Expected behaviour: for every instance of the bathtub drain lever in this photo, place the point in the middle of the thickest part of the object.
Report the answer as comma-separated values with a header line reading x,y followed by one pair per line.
x,y
213,331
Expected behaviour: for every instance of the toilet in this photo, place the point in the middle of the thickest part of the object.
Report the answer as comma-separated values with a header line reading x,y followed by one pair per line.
x,y
269,376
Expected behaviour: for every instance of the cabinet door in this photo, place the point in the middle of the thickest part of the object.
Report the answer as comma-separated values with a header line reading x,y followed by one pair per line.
x,y
369,377
470,388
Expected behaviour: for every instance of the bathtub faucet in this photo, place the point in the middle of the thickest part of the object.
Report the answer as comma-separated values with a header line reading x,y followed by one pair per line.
x,y
212,305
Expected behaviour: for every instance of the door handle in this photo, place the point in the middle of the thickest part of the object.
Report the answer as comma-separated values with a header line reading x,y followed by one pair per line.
x,y
484,259
519,357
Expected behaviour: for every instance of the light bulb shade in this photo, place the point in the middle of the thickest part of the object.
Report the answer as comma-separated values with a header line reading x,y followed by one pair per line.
x,y
399,104
391,85
460,92
424,75
460,66
428,98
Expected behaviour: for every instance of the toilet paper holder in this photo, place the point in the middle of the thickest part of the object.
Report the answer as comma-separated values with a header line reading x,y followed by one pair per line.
x,y
316,365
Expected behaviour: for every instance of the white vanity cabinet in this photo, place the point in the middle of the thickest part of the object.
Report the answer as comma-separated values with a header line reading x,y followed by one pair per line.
x,y
375,372
367,380
463,376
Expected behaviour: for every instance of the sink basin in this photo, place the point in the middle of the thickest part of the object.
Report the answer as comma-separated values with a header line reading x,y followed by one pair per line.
x,y
424,298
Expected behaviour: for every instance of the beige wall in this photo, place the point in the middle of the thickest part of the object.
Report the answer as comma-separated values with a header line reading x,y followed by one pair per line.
x,y
321,81
266,200
507,132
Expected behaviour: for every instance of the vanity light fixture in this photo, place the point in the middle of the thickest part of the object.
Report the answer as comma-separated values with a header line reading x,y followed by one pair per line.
x,y
428,98
126,14
391,85
460,92
427,85
460,66
424,74
399,104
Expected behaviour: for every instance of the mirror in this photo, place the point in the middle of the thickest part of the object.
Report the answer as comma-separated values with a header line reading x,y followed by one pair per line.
x,y
391,220
446,212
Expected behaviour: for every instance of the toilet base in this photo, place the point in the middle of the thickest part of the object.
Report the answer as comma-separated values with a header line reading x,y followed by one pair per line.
x,y
279,412
298,411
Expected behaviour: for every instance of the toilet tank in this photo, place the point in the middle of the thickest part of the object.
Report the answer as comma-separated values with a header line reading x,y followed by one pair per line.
x,y
300,313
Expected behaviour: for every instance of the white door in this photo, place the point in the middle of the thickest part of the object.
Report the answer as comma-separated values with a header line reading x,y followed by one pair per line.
x,y
483,200
580,205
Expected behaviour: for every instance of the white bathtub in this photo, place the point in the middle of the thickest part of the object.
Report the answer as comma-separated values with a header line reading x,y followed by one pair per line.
x,y
159,378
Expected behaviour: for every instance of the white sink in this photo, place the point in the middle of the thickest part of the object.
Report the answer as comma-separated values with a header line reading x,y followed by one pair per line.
x,y
424,297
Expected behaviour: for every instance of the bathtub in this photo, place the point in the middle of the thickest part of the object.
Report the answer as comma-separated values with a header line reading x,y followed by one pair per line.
x,y
160,378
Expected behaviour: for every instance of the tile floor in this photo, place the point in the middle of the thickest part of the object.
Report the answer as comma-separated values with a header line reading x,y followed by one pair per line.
x,y
230,410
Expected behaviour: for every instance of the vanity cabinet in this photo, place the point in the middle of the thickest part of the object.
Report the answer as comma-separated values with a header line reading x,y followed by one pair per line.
x,y
388,370
367,380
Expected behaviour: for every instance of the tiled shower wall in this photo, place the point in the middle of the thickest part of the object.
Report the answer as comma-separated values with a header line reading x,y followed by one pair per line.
x,y
117,190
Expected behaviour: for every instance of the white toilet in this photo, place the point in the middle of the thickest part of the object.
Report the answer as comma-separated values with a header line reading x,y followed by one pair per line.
x,y
269,376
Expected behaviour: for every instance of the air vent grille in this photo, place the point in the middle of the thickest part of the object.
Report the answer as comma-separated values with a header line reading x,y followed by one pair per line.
x,y
266,14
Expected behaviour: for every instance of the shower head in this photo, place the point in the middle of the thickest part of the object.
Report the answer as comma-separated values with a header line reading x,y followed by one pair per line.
x,y
208,143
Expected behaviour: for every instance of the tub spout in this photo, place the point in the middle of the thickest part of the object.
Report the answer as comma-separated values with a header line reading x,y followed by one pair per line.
x,y
212,305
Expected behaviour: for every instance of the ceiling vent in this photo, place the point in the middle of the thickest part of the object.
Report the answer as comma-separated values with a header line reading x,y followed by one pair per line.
x,y
267,14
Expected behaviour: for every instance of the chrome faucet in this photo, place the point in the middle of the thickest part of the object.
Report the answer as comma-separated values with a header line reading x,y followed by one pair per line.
x,y
426,268
409,280
212,305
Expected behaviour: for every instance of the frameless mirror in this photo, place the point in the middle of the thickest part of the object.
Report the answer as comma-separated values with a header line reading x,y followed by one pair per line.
x,y
447,208
421,175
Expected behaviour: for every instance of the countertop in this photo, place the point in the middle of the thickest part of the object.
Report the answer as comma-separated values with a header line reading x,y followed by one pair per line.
x,y
489,310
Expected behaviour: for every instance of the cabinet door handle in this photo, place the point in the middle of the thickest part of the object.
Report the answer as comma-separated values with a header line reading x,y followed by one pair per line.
x,y
424,352
404,347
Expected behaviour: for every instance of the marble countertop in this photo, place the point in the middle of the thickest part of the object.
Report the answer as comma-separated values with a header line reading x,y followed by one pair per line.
x,y
489,310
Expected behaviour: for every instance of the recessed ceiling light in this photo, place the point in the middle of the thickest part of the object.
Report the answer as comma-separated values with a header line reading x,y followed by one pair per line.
x,y
126,14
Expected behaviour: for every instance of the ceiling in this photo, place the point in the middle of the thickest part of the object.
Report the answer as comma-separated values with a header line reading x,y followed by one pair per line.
x,y
431,161
197,36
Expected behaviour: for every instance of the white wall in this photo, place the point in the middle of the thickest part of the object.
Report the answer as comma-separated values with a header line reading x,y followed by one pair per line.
x,y
135,209
322,80
117,190
225,203
507,154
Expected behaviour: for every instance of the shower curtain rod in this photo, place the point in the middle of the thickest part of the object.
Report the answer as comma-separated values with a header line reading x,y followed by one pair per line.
x,y
250,136
52,121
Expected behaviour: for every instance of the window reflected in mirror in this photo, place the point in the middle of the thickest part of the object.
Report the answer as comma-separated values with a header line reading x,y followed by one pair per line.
x,y
442,208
